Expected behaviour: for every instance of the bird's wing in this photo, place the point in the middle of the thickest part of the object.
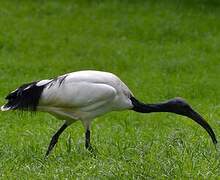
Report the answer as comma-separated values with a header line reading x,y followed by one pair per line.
x,y
77,94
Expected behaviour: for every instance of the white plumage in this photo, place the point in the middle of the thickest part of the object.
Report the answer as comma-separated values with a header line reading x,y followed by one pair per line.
x,y
85,95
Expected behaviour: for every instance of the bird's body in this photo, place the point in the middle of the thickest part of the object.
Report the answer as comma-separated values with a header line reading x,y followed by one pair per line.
x,y
85,95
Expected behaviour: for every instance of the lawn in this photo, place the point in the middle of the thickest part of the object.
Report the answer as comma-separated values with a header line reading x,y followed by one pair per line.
x,y
160,49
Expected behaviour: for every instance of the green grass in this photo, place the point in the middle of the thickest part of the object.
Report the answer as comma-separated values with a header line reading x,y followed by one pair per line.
x,y
160,49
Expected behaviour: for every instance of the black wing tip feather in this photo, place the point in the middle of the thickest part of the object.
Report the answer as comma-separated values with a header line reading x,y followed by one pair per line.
x,y
59,80
26,97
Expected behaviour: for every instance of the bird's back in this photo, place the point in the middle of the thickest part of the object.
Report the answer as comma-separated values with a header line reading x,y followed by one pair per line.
x,y
79,89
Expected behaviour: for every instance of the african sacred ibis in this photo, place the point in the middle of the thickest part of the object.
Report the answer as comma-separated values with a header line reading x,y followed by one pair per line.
x,y
85,95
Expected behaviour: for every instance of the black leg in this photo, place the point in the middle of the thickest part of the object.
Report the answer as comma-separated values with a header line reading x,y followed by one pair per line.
x,y
55,138
87,144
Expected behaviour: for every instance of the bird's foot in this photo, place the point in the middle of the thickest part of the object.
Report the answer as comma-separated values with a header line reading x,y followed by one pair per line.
x,y
51,146
92,151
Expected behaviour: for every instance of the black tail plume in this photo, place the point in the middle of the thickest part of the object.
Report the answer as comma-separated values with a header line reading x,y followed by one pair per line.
x,y
26,97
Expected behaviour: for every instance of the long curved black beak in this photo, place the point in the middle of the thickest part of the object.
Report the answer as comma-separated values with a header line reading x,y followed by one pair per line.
x,y
202,122
177,106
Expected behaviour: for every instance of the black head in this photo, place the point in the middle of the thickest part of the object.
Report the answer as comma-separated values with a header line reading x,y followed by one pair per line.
x,y
179,106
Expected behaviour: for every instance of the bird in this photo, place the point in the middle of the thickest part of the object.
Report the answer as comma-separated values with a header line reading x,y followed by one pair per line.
x,y
87,94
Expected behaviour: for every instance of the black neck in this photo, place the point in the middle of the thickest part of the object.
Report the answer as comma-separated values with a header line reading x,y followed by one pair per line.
x,y
148,108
